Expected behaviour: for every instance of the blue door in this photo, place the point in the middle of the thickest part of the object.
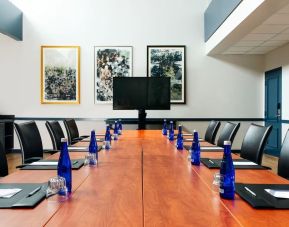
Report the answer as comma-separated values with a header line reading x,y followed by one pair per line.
x,y
273,105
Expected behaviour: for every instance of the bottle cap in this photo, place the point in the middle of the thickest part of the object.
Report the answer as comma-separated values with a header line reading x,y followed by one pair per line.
x,y
171,121
227,142
115,121
195,130
165,119
63,140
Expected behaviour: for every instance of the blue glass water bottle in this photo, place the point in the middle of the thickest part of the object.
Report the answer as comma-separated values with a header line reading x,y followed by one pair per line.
x,y
119,127
115,131
180,139
171,132
64,165
165,130
93,153
107,138
196,150
227,172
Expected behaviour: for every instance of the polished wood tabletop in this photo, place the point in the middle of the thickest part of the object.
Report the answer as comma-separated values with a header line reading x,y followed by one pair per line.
x,y
144,181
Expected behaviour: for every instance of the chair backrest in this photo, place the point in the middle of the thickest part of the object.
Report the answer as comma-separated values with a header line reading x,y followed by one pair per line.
x,y
29,139
71,129
254,142
3,162
55,132
228,133
212,131
283,163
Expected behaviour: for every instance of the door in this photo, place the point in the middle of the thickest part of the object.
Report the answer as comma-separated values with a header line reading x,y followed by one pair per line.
x,y
273,105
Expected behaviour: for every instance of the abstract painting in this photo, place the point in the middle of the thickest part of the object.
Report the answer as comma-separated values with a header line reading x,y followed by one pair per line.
x,y
110,62
169,61
60,74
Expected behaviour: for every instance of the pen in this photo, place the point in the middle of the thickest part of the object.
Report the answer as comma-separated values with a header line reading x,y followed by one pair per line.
x,y
34,191
211,161
251,192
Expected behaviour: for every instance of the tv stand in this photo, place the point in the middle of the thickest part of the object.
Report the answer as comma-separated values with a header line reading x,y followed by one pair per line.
x,y
142,119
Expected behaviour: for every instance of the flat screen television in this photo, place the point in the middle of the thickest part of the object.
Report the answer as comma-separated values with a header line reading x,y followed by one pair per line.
x,y
141,93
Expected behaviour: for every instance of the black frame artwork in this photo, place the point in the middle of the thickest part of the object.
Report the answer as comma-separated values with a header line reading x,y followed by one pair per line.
x,y
169,61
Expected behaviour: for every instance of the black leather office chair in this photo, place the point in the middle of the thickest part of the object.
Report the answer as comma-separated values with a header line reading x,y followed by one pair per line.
x,y
72,131
30,141
254,142
3,161
55,132
212,131
283,163
228,133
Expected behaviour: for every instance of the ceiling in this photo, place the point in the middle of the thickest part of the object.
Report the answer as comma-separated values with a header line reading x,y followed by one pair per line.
x,y
271,34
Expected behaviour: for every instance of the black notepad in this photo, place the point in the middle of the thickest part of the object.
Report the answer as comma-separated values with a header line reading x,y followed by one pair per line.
x,y
82,149
22,198
257,197
239,164
75,164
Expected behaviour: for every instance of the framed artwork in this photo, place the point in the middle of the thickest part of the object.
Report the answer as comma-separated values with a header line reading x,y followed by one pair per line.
x,y
169,61
110,61
60,74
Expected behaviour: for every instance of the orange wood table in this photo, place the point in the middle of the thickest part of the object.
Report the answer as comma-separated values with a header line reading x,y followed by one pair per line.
x,y
144,181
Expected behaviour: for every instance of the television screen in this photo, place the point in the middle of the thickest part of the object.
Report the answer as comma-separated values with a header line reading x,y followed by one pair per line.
x,y
159,93
135,93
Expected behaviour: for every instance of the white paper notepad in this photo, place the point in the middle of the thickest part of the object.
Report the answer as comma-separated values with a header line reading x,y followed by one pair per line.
x,y
281,194
236,163
9,192
188,140
212,148
77,148
85,140
191,140
88,140
43,164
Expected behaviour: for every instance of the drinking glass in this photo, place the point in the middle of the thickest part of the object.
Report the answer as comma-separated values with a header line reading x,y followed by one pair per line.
x,y
90,159
106,145
57,186
216,182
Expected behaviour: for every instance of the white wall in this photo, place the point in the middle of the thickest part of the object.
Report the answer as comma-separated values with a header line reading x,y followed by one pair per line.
x,y
227,86
210,81
275,59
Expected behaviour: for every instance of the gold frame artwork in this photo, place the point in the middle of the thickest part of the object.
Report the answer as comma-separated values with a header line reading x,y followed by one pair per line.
x,y
60,68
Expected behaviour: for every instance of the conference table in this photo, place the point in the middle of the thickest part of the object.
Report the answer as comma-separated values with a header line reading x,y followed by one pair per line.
x,y
144,181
